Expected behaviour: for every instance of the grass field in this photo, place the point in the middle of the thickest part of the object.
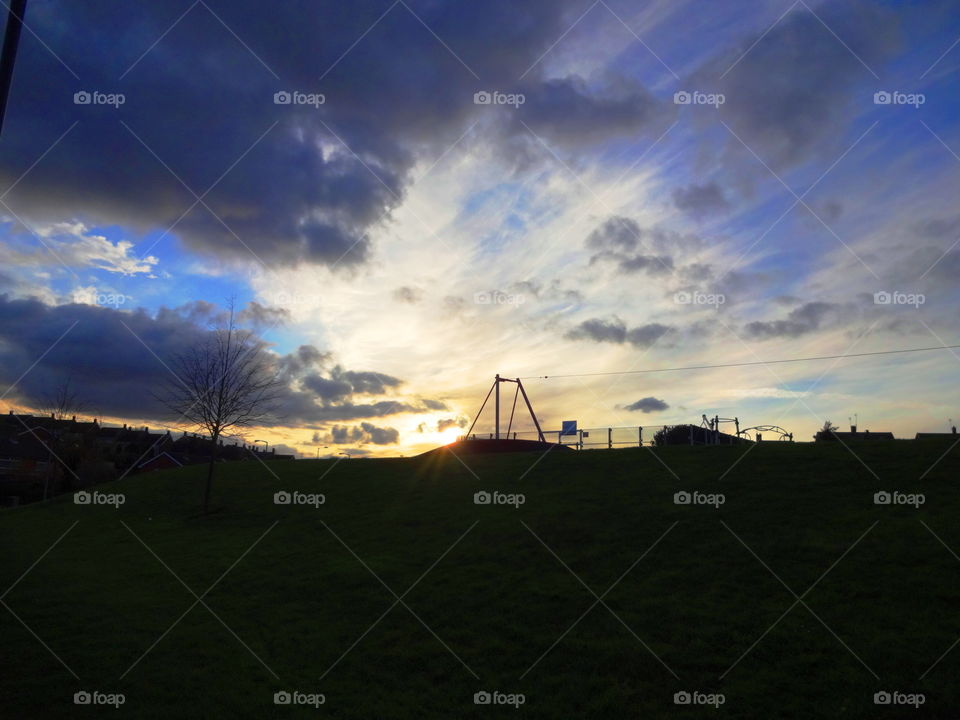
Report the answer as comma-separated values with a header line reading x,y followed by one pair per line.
x,y
497,597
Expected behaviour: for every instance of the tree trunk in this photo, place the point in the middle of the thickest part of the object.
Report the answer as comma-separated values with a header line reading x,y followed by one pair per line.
x,y
213,457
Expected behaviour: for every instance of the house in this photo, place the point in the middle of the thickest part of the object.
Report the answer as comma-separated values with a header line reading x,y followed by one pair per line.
x,y
931,436
26,468
853,435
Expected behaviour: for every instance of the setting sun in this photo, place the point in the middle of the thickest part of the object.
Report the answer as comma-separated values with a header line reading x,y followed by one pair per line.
x,y
450,435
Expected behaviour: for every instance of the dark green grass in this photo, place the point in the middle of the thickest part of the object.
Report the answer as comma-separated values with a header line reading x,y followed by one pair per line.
x,y
499,599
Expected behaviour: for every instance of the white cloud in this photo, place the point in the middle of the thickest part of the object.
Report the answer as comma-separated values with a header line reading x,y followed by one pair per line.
x,y
75,246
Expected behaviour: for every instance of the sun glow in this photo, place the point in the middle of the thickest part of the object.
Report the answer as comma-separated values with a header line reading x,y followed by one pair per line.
x,y
450,435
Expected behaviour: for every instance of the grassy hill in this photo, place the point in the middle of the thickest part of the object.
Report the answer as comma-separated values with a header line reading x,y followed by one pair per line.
x,y
689,592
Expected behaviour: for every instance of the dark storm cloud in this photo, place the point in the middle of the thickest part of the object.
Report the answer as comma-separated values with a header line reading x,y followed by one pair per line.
x,y
342,384
566,111
803,320
305,182
300,409
792,93
371,383
647,405
305,357
112,370
701,200
327,389
118,360
615,331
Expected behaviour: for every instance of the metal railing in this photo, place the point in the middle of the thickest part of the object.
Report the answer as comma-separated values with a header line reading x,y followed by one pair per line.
x,y
613,437
598,437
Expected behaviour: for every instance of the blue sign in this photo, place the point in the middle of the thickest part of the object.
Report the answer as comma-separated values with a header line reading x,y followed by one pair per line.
x,y
568,427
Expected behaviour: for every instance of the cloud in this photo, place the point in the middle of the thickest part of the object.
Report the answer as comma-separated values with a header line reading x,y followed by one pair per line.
x,y
343,384
454,303
409,295
573,113
371,383
262,316
98,348
791,91
73,245
447,423
701,200
299,409
327,389
632,248
939,228
118,360
617,233
362,434
801,321
647,405
616,331
303,359
283,183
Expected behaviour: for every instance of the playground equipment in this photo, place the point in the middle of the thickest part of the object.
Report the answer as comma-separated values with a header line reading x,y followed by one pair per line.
x,y
760,429
495,388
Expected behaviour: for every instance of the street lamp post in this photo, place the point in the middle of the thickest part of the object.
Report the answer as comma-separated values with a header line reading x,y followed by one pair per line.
x,y
8,55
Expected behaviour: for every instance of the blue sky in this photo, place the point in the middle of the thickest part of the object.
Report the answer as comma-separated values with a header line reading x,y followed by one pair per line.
x,y
402,230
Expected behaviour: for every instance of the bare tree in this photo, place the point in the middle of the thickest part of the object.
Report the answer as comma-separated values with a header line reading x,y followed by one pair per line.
x,y
227,381
63,402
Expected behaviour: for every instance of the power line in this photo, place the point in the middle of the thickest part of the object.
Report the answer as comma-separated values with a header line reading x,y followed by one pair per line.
x,y
744,364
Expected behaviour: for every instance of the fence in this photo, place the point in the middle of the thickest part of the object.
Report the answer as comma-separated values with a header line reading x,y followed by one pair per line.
x,y
636,436
608,437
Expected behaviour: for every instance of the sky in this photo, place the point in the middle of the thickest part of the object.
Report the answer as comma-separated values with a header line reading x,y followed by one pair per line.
x,y
402,199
